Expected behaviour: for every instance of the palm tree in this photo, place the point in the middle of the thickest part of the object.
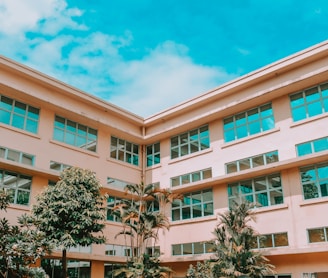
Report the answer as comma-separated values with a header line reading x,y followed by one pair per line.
x,y
141,224
234,245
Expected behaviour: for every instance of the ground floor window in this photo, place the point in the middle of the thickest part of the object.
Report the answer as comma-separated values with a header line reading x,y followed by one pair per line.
x,y
109,270
75,268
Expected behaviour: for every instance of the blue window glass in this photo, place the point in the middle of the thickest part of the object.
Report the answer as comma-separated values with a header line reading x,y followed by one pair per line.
x,y
247,123
18,114
310,102
317,145
75,134
124,151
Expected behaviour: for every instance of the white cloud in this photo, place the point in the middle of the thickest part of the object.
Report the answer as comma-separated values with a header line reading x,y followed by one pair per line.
x,y
167,76
93,63
19,16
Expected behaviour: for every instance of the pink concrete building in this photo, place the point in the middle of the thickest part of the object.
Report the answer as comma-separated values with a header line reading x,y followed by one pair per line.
x,y
262,137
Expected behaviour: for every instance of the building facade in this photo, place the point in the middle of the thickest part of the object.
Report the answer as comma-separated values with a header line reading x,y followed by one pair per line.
x,y
262,137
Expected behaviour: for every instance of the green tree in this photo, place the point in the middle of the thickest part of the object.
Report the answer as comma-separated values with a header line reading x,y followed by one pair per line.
x,y
234,245
141,224
20,245
71,213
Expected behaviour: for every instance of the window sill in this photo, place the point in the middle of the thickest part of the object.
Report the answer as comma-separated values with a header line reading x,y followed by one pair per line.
x,y
189,156
248,138
125,164
314,201
308,120
73,148
22,131
270,208
193,220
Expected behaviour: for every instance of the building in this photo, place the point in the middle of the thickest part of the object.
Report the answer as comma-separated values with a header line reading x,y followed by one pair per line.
x,y
262,137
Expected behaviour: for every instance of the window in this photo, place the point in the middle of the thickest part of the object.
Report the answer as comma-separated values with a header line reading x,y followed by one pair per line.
x,y
17,186
314,146
310,102
194,204
190,142
112,202
80,249
191,177
317,235
278,276
119,184
153,154
193,248
314,180
118,250
252,162
18,114
272,240
153,251
124,151
247,123
263,191
58,166
17,156
75,134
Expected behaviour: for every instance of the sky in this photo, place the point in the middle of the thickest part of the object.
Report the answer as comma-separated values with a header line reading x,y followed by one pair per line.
x,y
148,55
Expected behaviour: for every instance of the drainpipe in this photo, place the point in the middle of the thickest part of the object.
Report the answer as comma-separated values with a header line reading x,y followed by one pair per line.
x,y
143,157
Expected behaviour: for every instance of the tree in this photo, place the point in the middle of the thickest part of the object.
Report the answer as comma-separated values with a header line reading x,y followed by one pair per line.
x,y
141,225
20,245
234,244
71,213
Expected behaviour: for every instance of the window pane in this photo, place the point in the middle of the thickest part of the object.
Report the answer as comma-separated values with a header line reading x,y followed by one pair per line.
x,y
176,250
280,239
304,149
198,248
266,241
316,235
320,145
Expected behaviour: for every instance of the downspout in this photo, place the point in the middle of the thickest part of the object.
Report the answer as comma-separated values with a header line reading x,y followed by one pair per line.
x,y
143,157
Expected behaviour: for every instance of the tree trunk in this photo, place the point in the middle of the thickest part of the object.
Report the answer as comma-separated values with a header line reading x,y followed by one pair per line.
x,y
64,264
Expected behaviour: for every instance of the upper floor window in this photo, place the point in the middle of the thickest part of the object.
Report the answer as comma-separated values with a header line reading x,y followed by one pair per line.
x,y
318,234
314,146
192,248
191,177
17,186
263,191
315,181
252,162
16,156
189,142
57,166
193,205
18,114
124,151
310,102
272,240
75,134
247,123
153,154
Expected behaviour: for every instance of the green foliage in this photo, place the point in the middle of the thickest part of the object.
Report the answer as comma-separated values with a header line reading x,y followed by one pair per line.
x,y
234,242
141,225
201,270
72,212
20,245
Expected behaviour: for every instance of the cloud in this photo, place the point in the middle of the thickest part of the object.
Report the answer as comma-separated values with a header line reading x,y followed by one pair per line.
x,y
93,61
166,77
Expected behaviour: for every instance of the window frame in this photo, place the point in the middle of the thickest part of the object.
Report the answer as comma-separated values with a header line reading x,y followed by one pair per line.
x,y
124,151
248,123
153,154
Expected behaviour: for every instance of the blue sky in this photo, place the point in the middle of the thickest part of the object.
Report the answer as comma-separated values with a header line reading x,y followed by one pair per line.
x,y
148,55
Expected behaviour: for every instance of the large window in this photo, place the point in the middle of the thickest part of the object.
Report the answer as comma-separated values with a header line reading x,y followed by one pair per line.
x,y
193,248
193,205
153,154
17,156
247,123
314,146
272,240
318,234
18,114
191,177
190,142
252,162
310,102
262,191
17,186
75,134
315,181
124,151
